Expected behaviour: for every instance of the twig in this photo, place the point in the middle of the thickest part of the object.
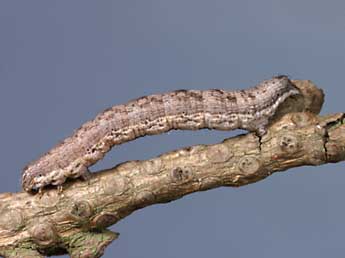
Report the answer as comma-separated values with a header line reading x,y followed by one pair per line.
x,y
74,221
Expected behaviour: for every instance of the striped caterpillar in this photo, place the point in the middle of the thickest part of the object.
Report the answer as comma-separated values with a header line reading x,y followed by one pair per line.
x,y
249,109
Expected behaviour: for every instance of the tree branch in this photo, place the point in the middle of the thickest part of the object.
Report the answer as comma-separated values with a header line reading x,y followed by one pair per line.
x,y
74,221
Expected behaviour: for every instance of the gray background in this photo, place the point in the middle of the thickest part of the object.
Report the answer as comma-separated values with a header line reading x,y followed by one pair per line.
x,y
61,62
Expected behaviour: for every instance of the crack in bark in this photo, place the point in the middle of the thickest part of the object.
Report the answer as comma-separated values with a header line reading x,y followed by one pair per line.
x,y
328,126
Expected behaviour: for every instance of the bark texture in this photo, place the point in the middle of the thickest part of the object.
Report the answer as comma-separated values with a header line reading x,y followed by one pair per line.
x,y
74,221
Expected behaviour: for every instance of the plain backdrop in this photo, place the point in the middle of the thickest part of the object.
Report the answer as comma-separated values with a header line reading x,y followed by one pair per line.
x,y
62,62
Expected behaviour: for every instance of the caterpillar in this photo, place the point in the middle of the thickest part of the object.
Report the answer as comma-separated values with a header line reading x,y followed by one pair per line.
x,y
249,109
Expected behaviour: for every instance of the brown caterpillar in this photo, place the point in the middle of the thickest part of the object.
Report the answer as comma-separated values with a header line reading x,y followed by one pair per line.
x,y
249,109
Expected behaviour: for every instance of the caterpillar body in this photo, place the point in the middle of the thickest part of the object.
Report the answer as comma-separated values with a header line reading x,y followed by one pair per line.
x,y
249,109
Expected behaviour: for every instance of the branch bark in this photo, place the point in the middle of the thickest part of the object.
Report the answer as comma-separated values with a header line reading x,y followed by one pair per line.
x,y
74,221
